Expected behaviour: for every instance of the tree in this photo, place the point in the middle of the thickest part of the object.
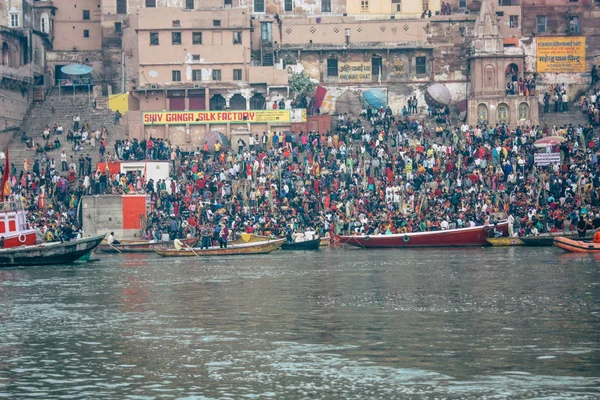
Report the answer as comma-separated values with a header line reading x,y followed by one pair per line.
x,y
302,85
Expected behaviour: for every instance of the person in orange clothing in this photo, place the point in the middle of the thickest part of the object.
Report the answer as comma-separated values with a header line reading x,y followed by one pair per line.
x,y
597,236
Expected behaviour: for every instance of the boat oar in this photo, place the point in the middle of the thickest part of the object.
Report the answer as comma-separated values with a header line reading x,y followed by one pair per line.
x,y
192,250
114,248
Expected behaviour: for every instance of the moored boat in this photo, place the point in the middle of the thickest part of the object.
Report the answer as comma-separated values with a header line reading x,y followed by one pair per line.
x,y
505,241
544,239
325,241
576,246
50,253
140,246
313,244
460,237
262,247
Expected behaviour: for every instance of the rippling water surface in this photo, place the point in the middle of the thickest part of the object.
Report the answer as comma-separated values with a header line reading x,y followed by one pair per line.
x,y
334,324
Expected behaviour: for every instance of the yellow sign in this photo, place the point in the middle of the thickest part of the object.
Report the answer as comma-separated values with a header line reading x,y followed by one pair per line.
x,y
354,72
216,117
561,54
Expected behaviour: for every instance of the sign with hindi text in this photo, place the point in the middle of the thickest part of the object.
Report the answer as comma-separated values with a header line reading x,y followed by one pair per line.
x,y
561,54
354,72
543,159
216,117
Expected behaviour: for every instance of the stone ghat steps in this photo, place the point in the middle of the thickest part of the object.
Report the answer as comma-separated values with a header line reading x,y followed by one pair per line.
x,y
575,116
61,111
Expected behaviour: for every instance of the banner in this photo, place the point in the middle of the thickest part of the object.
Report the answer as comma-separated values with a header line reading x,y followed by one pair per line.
x,y
543,159
216,117
354,72
561,54
298,115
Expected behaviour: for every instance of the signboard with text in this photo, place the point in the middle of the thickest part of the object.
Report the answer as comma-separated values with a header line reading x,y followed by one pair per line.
x,y
354,72
561,54
543,159
216,117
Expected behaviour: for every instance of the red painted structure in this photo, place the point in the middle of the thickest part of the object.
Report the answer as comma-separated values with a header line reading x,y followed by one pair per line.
x,y
448,238
14,227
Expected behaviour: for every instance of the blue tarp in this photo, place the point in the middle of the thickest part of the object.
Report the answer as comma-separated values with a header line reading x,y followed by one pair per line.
x,y
76,69
375,98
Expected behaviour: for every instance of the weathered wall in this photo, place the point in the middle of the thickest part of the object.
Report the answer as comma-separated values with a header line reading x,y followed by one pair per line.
x,y
69,25
13,107
104,214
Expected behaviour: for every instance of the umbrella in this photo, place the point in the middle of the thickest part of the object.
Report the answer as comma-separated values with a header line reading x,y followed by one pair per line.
x,y
437,95
375,98
214,137
549,141
76,69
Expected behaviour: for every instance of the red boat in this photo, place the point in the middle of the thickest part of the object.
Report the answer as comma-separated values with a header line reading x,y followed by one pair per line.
x,y
447,238
14,228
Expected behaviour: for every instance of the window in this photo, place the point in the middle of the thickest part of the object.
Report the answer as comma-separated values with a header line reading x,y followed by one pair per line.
x,y
500,13
288,6
176,75
364,5
216,74
237,37
121,6
504,2
396,6
513,21
118,27
462,4
216,22
541,23
195,57
86,33
153,38
151,3
237,74
176,23
86,14
175,38
196,37
189,4
227,3
325,5
44,23
14,20
574,24
196,75
332,67
421,65
259,6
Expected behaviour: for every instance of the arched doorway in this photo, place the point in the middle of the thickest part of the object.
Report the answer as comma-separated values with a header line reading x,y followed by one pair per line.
x,y
503,114
5,52
258,102
482,114
237,102
512,72
217,102
524,111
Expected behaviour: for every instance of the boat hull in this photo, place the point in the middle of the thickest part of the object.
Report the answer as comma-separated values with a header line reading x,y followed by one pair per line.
x,y
544,240
505,241
576,246
48,253
263,247
314,244
140,246
325,241
449,238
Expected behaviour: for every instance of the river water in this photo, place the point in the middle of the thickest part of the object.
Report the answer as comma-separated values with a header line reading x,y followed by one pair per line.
x,y
515,323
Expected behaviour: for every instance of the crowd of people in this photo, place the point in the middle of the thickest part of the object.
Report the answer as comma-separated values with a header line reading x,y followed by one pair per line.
x,y
377,173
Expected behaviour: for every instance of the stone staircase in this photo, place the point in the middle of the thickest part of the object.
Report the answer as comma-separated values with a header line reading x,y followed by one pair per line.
x,y
61,111
575,117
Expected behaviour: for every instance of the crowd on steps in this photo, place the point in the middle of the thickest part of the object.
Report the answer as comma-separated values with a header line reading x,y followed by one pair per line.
x,y
393,174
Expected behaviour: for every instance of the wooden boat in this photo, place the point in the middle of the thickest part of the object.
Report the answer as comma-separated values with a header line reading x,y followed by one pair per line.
x,y
14,227
447,238
505,241
139,246
48,253
576,246
545,239
250,238
314,244
263,247
325,241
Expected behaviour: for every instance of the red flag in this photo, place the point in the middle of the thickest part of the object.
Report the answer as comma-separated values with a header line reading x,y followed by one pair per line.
x,y
5,179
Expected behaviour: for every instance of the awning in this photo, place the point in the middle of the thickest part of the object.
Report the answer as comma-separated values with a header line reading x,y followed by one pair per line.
x,y
76,69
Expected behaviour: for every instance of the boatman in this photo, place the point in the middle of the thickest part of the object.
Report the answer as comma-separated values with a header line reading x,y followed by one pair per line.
x,y
178,244
111,239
